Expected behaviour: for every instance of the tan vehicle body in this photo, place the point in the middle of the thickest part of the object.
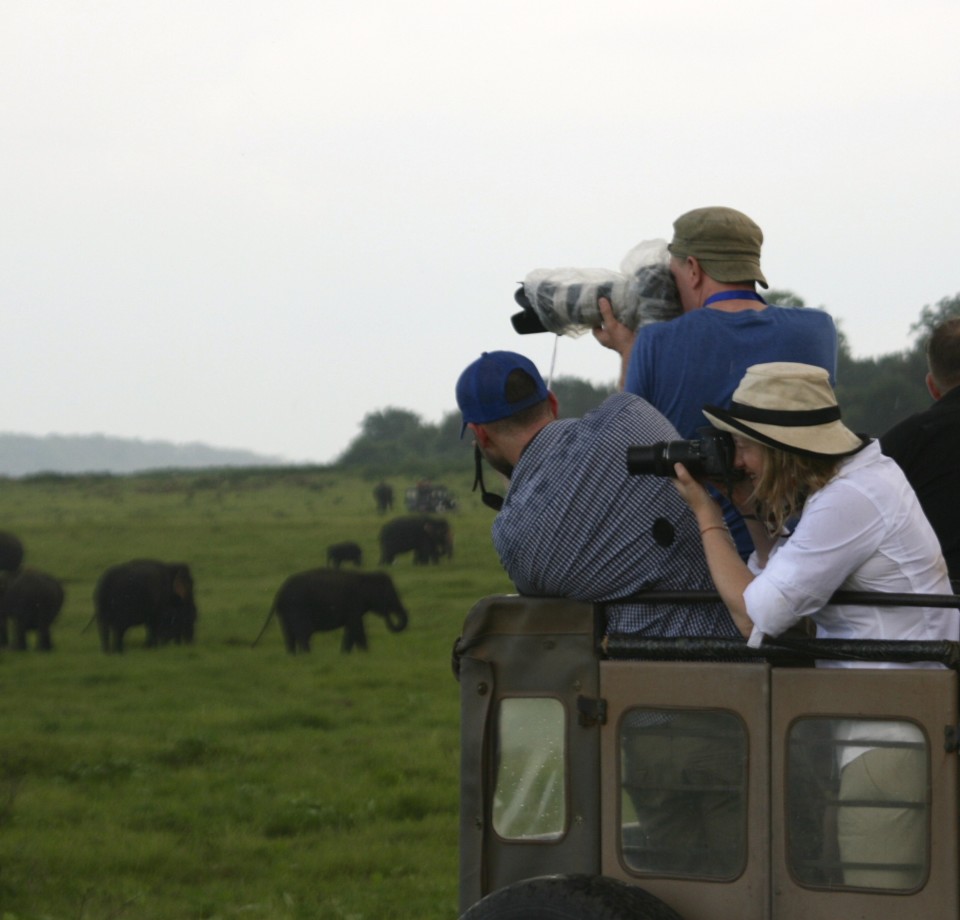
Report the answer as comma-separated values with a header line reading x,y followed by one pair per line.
x,y
524,662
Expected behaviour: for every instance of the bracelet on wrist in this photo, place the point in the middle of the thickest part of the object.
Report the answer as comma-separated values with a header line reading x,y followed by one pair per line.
x,y
713,527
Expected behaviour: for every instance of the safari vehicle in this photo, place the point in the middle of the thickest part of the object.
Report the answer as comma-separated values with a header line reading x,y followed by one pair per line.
x,y
429,498
567,813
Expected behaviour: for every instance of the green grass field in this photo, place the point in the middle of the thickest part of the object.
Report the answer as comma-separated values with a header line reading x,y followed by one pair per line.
x,y
219,780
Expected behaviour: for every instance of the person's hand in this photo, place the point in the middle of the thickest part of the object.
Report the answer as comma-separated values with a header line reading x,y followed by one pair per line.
x,y
612,333
694,494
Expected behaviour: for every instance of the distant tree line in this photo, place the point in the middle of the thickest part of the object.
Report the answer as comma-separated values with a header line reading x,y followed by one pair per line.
x,y
399,441
874,394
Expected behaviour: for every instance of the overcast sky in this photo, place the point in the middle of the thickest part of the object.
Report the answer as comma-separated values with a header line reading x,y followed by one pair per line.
x,y
251,223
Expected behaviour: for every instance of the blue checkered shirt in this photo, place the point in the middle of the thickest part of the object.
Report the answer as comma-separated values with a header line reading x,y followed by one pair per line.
x,y
576,524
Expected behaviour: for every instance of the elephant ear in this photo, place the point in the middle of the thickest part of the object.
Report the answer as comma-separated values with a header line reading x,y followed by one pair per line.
x,y
182,582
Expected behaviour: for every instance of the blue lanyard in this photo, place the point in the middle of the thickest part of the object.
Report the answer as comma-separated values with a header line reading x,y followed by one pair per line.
x,y
733,295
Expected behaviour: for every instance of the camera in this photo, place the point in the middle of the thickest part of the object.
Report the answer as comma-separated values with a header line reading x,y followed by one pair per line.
x,y
710,456
565,300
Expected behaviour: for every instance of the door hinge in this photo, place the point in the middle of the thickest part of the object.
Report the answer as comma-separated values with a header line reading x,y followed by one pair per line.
x,y
951,739
591,711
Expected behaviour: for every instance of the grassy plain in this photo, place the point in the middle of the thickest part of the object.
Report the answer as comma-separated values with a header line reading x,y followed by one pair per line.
x,y
219,780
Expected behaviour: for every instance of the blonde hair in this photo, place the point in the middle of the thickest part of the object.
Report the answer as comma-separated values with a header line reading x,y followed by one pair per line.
x,y
786,482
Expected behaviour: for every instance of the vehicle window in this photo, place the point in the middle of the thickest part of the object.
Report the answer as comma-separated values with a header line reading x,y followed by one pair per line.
x,y
529,798
858,803
684,800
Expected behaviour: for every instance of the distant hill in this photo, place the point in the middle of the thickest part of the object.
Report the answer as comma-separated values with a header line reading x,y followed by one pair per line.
x,y
23,455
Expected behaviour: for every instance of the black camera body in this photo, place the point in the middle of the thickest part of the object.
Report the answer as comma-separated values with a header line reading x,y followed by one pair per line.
x,y
709,457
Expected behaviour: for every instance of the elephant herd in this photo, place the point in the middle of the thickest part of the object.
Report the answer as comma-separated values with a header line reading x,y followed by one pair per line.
x,y
141,592
324,599
427,537
160,595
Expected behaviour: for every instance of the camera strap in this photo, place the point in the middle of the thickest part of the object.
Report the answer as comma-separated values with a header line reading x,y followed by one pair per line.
x,y
488,498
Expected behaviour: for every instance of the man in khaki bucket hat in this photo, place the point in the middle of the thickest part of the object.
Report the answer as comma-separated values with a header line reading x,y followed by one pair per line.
x,y
681,365
725,242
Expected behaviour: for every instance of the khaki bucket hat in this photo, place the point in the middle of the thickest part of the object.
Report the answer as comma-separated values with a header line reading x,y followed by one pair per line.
x,y
724,241
790,406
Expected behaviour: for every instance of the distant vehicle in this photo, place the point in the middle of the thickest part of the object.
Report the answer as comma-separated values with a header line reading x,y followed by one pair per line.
x,y
578,790
429,498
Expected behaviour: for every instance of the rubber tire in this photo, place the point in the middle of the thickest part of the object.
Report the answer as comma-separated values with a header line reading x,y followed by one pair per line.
x,y
571,897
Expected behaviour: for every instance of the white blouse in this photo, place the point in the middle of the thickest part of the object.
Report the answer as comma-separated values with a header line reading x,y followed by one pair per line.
x,y
863,531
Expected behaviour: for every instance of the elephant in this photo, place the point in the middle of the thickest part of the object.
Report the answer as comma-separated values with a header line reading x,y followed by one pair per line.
x,y
145,592
11,552
320,600
428,537
31,601
383,496
344,552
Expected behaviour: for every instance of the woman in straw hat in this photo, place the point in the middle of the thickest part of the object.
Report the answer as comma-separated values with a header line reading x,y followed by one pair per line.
x,y
827,511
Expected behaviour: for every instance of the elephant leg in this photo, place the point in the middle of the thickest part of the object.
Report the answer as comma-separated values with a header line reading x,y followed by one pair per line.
x,y
288,637
20,636
300,628
354,634
44,641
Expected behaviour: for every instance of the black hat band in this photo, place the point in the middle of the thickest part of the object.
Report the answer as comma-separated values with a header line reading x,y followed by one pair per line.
x,y
785,418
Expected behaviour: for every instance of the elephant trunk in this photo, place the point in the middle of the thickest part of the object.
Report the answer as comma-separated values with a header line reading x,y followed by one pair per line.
x,y
396,619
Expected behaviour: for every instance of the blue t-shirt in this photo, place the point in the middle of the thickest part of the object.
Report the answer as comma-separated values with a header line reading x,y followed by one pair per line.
x,y
699,358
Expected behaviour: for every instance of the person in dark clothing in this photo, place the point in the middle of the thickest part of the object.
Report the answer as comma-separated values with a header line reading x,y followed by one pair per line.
x,y
927,445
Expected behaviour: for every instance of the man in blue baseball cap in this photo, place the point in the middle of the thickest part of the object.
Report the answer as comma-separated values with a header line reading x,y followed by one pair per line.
x,y
575,523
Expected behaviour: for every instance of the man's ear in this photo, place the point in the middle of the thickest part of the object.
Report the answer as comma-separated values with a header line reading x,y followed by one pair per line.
x,y
480,434
694,270
935,391
554,403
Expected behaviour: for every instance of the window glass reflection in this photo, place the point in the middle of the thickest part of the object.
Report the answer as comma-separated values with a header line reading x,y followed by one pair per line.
x,y
530,796
683,807
857,803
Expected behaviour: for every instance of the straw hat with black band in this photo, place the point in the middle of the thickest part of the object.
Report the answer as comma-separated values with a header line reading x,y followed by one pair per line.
x,y
790,406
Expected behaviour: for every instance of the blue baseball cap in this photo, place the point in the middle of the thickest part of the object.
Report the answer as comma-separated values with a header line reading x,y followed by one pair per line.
x,y
482,388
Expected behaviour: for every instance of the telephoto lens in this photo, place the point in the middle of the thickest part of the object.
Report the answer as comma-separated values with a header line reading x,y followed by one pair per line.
x,y
711,456
565,301
658,459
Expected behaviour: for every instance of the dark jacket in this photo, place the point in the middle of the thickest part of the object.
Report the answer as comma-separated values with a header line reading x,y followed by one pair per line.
x,y
927,448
